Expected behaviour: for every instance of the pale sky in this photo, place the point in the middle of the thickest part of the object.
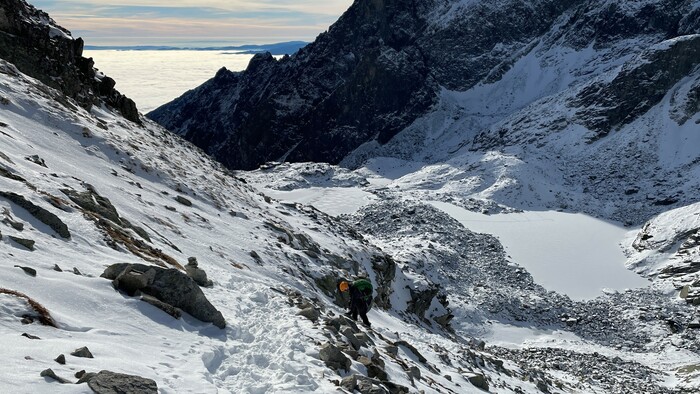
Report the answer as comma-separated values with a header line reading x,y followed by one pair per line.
x,y
193,22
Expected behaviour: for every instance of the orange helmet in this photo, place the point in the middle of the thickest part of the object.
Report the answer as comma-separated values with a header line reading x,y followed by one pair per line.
x,y
344,286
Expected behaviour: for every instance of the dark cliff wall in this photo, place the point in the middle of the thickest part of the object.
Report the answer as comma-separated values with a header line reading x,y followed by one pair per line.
x,y
358,81
33,42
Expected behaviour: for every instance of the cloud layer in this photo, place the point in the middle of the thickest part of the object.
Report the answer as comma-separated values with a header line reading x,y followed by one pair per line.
x,y
141,22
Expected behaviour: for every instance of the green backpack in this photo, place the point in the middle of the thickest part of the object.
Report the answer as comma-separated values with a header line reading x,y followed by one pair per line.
x,y
365,287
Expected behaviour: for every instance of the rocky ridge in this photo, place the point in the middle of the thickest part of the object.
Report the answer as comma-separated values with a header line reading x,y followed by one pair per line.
x,y
28,34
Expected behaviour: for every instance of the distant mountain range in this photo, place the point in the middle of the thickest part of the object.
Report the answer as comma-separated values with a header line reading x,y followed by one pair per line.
x,y
281,48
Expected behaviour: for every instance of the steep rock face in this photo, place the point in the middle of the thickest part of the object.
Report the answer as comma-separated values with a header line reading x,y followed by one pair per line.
x,y
33,42
640,85
385,62
468,41
373,73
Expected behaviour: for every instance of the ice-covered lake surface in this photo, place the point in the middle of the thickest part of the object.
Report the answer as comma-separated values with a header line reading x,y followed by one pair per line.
x,y
573,254
331,200
153,78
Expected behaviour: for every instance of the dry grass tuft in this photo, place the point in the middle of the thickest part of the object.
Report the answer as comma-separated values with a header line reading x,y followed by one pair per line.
x,y
116,236
44,315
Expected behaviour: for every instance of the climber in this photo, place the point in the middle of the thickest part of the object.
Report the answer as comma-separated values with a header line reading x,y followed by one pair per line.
x,y
360,298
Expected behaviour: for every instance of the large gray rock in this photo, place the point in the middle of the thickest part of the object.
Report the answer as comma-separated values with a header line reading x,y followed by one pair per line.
x,y
39,213
49,373
310,313
174,288
478,380
385,269
92,201
27,243
350,336
106,382
334,357
421,299
82,352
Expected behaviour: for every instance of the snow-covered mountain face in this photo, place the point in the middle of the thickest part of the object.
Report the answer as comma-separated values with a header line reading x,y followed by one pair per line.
x,y
599,114
387,64
86,194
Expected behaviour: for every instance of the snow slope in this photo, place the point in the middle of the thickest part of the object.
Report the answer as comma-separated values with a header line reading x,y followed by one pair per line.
x,y
48,147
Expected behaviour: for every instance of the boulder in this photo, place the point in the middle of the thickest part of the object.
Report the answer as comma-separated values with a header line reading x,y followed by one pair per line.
x,y
340,321
310,313
174,288
27,243
184,201
385,269
350,336
363,338
444,320
27,270
349,383
82,352
412,349
91,201
392,350
49,373
421,300
374,371
366,385
478,381
39,213
334,358
107,382
61,359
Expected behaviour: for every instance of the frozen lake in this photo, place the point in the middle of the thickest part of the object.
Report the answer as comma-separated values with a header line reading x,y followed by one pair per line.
x,y
573,254
331,200
153,78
